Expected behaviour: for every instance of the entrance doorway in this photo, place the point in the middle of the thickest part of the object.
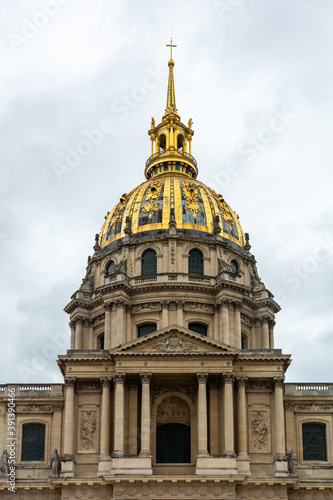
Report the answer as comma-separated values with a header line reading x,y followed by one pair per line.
x,y
173,443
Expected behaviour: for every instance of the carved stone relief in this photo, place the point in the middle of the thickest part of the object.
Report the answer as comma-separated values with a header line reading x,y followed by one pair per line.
x,y
88,418
173,409
260,435
88,386
174,343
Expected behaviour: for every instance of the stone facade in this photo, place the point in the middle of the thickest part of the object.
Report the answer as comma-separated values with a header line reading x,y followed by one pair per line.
x,y
173,387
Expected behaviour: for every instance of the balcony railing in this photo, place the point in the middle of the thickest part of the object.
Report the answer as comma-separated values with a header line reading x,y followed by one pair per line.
x,y
164,155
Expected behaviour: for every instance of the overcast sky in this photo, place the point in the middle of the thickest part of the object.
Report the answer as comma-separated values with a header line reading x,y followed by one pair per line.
x,y
256,78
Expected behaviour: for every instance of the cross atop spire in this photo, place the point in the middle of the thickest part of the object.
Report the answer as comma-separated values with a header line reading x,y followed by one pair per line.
x,y
170,45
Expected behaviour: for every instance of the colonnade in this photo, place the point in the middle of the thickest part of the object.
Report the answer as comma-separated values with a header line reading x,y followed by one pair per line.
x,y
226,325
227,417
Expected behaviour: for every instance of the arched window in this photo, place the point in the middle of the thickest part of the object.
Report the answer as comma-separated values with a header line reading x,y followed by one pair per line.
x,y
180,142
33,442
195,262
198,328
162,142
111,268
100,341
245,341
149,263
314,442
146,329
234,267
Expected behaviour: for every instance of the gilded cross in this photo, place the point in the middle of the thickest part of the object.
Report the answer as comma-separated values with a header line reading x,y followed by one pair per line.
x,y
170,45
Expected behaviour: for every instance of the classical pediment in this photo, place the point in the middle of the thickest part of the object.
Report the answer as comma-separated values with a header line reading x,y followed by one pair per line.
x,y
174,340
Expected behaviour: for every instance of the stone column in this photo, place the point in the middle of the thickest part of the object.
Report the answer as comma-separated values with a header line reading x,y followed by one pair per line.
x,y
225,321
165,312
280,450
79,333
228,412
107,326
69,427
253,343
128,333
238,325
242,419
91,334
119,415
214,441
133,417
265,333
216,322
271,334
105,420
202,378
72,327
180,312
280,461
145,414
118,337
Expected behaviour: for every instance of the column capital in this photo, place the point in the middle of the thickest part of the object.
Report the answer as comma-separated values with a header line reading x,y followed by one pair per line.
x,y
216,307
225,303
265,319
165,304
79,320
241,381
202,377
70,381
180,304
91,322
145,377
132,384
237,304
106,382
119,378
120,303
278,382
72,323
108,306
228,378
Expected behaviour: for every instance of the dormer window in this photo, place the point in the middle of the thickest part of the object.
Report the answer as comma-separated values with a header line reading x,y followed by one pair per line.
x,y
111,268
234,267
195,262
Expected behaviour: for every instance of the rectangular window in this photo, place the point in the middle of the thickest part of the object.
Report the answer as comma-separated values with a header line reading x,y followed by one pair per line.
x,y
33,442
314,442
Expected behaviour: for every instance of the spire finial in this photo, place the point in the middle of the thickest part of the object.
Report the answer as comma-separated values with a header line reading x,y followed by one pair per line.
x,y
171,96
170,45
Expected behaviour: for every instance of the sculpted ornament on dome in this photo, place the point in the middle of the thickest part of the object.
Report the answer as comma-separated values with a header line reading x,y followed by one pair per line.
x,y
191,194
118,211
224,209
153,193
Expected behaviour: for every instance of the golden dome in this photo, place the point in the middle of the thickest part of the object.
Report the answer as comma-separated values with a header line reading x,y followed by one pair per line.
x,y
171,197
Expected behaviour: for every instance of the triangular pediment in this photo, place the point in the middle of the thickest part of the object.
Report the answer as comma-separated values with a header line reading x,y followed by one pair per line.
x,y
174,340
